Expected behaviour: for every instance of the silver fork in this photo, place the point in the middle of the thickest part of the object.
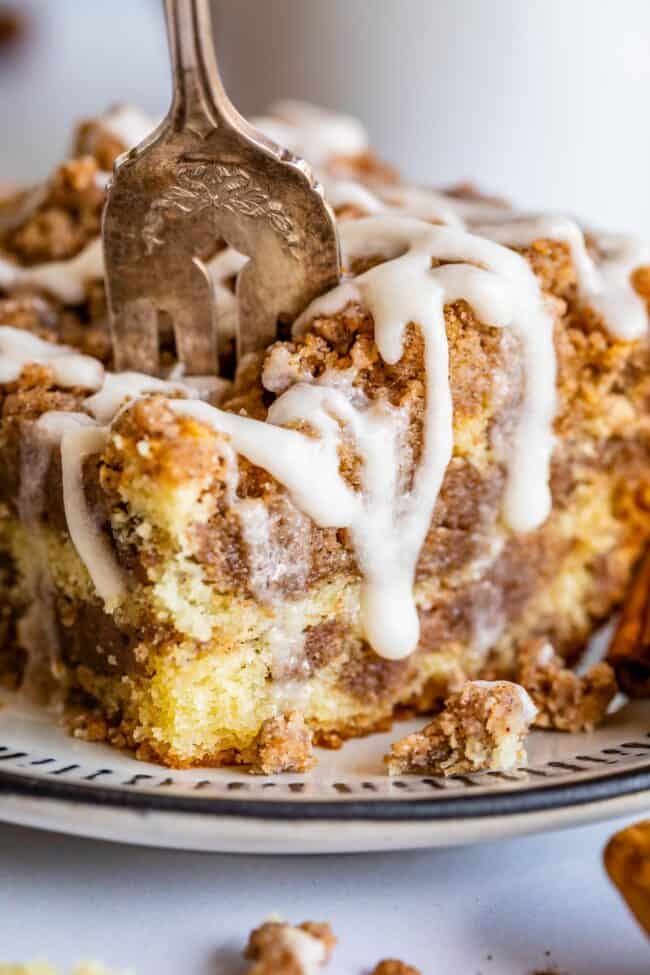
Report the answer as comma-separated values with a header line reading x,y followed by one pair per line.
x,y
203,176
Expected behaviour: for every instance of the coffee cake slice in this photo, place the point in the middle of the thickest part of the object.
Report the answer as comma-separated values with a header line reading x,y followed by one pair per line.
x,y
449,456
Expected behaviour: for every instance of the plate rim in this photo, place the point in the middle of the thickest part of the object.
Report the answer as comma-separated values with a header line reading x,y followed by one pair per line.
x,y
547,797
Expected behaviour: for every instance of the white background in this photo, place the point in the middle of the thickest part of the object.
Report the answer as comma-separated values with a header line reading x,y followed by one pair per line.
x,y
544,101
173,913
541,100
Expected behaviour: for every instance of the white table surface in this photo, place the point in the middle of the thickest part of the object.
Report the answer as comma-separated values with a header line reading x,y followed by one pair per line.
x,y
174,913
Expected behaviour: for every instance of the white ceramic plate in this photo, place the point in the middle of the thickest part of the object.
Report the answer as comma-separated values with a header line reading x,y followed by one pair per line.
x,y
347,804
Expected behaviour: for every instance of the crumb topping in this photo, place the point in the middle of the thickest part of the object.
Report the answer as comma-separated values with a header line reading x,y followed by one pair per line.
x,y
627,861
283,744
56,222
93,138
565,701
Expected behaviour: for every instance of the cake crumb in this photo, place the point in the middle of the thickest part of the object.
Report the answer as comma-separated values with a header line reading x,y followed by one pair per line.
x,y
277,948
87,726
565,701
480,728
283,744
390,966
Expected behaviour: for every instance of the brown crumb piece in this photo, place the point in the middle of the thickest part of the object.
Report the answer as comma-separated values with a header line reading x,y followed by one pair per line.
x,y
392,967
627,861
57,220
565,700
480,728
88,726
93,139
283,744
277,948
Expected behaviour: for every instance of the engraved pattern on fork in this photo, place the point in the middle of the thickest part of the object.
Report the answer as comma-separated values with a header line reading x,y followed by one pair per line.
x,y
202,177
205,184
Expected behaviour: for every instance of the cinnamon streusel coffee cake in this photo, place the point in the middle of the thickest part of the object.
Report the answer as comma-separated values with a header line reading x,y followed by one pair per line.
x,y
447,458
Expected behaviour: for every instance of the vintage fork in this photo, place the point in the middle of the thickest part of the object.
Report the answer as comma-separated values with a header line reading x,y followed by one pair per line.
x,y
203,176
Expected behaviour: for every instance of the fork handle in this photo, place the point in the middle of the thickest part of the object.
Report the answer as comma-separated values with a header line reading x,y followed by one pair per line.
x,y
197,87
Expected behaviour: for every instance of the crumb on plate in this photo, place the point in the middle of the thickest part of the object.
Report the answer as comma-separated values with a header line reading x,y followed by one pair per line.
x,y
283,744
565,700
482,727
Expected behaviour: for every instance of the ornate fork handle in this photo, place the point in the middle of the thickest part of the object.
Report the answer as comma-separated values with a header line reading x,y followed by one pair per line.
x,y
205,175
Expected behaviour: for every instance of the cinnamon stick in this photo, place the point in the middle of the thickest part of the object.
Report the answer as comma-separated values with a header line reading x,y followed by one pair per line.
x,y
627,861
629,652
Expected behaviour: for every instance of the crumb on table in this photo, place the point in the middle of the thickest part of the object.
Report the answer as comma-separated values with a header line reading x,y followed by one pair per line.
x,y
277,948
391,966
627,861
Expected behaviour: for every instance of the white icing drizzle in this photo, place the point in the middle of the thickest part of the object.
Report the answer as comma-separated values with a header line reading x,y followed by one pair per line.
x,y
128,123
473,210
120,387
348,192
223,266
545,655
69,367
528,707
64,279
79,442
605,286
38,631
388,521
503,291
623,309
422,204
55,424
309,951
311,132
409,201
210,388
102,179
307,466
79,437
